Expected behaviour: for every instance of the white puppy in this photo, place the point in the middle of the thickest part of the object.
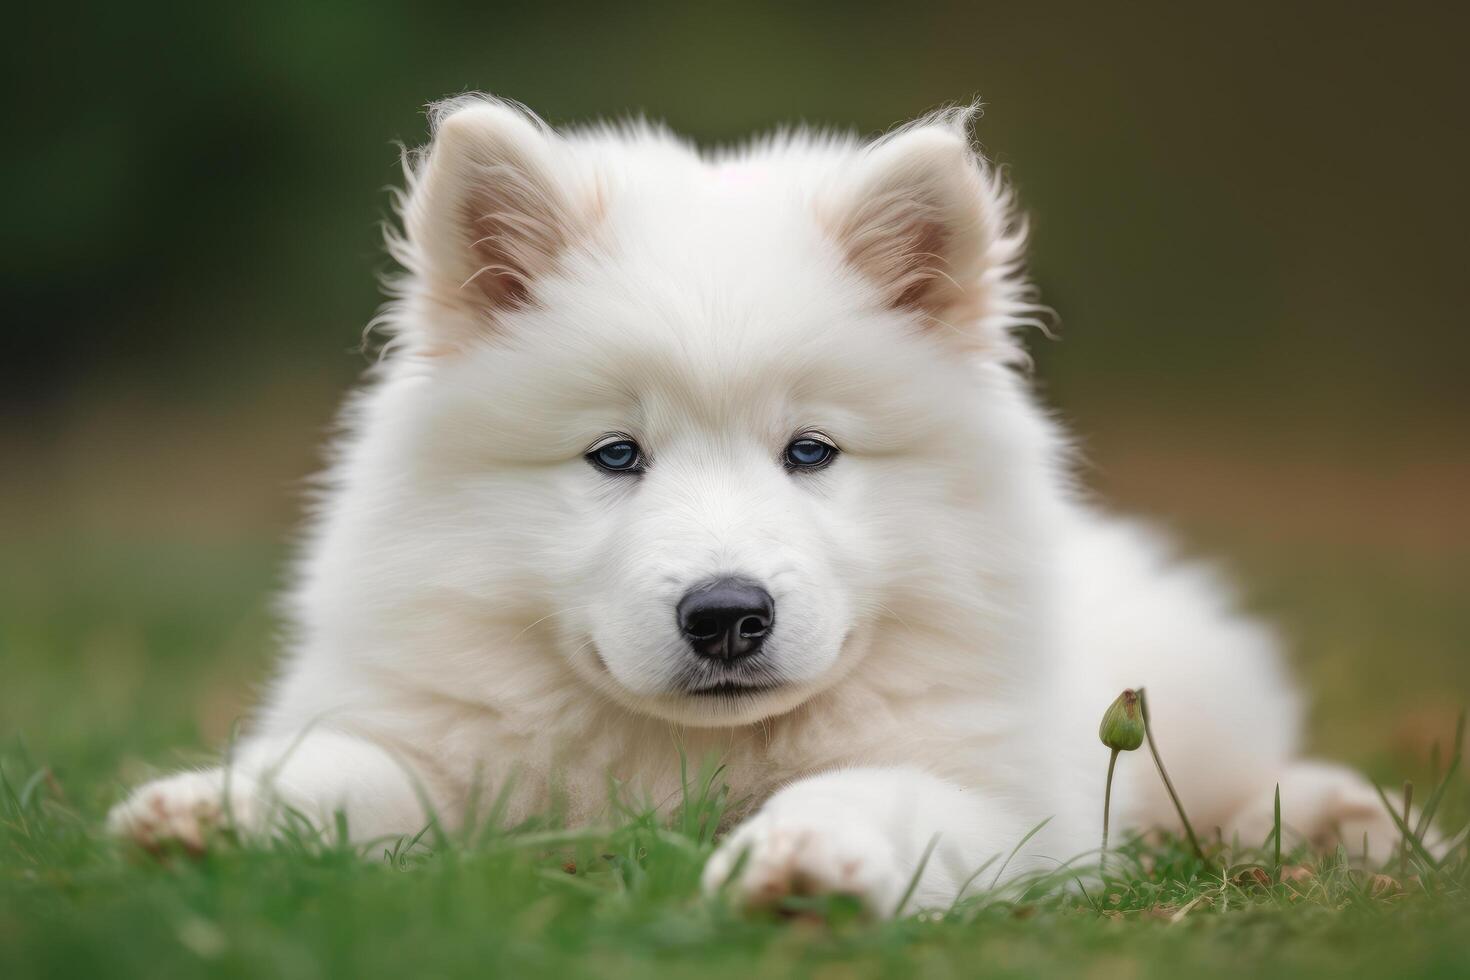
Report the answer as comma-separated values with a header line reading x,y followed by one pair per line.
x,y
729,452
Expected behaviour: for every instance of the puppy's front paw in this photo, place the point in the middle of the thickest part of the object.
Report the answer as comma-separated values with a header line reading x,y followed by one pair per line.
x,y
813,849
184,809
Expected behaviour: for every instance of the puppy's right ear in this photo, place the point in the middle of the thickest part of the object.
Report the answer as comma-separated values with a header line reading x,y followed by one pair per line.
x,y
491,205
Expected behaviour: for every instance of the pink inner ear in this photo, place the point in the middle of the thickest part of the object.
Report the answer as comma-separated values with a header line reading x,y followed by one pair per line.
x,y
923,261
900,244
514,230
506,260
502,280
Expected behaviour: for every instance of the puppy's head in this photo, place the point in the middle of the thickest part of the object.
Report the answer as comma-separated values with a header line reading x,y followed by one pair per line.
x,y
710,427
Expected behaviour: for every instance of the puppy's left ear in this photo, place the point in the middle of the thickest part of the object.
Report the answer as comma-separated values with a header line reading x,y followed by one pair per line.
x,y
925,220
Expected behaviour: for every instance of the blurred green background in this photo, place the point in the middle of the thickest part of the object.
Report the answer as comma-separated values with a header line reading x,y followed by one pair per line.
x,y
1250,219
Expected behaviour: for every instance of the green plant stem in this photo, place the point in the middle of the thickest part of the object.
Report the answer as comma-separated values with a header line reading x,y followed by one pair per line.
x,y
1148,731
1108,800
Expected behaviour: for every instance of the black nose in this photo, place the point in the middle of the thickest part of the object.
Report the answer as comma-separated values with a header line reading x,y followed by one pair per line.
x,y
726,618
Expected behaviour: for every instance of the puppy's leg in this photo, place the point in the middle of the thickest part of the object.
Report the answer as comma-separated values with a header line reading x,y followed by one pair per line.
x,y
863,832
315,774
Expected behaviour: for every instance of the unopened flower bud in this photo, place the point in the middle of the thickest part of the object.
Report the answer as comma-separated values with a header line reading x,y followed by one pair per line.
x,y
1122,726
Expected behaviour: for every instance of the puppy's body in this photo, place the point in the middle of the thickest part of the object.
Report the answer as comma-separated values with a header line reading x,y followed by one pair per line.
x,y
944,619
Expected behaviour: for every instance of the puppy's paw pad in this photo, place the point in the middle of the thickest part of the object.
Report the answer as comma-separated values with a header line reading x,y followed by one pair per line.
x,y
182,809
773,857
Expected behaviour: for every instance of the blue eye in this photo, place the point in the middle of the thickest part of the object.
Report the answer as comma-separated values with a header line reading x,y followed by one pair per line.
x,y
808,454
622,456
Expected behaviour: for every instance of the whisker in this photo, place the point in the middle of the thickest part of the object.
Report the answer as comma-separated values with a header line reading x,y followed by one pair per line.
x,y
551,615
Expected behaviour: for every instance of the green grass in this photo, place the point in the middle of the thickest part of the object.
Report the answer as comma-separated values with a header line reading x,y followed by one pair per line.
x,y
118,652
622,901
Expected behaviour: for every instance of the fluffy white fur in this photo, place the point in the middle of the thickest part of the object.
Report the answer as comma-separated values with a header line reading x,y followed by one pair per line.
x,y
476,601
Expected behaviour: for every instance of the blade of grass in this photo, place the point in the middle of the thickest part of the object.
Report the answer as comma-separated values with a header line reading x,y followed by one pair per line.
x,y
971,880
493,820
685,812
1404,844
470,819
908,892
1437,794
28,790
1403,827
1017,849
1276,834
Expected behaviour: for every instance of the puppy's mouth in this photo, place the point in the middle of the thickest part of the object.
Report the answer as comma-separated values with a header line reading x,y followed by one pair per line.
x,y
741,680
732,689
727,683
